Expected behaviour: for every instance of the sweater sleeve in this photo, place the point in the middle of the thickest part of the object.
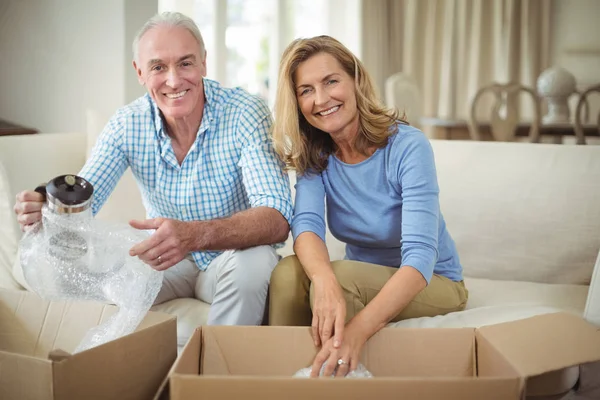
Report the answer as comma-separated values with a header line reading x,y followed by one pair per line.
x,y
420,203
309,207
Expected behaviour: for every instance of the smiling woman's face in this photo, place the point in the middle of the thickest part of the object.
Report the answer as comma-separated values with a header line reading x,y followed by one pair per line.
x,y
326,95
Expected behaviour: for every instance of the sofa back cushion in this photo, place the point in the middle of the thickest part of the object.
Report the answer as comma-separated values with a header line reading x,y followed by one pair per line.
x,y
521,211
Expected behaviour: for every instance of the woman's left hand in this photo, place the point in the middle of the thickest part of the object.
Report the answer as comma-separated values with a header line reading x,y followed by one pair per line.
x,y
348,353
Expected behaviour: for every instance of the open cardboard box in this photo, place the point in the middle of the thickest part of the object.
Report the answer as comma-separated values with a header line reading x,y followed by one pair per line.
x,y
493,362
36,337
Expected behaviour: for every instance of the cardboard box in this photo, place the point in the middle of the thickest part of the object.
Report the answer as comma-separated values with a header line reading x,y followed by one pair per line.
x,y
492,362
36,337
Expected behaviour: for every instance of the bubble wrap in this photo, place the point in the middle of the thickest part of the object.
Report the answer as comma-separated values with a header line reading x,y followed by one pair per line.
x,y
75,257
359,372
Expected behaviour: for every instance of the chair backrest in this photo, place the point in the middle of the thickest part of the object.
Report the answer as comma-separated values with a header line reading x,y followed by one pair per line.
x,y
504,117
582,104
402,92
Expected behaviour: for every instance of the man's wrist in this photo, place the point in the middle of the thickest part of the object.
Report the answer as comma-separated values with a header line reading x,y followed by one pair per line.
x,y
198,235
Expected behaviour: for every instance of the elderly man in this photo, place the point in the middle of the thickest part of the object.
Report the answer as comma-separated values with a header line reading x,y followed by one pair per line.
x,y
213,188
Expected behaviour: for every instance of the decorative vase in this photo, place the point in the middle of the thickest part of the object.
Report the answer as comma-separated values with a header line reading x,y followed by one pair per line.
x,y
555,85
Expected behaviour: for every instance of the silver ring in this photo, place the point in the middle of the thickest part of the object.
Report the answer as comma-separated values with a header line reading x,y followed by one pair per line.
x,y
341,362
159,260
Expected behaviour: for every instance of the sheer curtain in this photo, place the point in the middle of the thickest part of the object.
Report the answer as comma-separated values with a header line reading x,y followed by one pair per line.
x,y
453,47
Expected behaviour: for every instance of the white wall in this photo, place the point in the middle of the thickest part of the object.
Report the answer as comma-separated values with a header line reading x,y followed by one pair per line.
x,y
61,58
576,38
575,42
137,12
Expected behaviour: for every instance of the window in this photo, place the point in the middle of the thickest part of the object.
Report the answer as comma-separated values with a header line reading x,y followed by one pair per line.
x,y
245,38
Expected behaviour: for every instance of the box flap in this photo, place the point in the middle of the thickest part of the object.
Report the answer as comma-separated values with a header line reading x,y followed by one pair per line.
x,y
234,388
30,325
131,367
421,352
22,317
256,350
188,361
24,377
545,343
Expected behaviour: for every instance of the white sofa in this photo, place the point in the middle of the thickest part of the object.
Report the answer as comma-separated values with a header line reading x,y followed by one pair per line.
x,y
525,218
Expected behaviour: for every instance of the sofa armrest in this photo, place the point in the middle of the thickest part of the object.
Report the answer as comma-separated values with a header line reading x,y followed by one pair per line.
x,y
592,305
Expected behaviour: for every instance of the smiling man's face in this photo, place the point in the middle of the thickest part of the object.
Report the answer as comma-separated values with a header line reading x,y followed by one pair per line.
x,y
171,67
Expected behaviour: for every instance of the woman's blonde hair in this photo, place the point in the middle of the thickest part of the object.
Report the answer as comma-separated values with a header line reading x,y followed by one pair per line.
x,y
304,147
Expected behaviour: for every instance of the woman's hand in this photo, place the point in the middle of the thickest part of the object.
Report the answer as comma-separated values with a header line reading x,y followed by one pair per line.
x,y
329,311
345,358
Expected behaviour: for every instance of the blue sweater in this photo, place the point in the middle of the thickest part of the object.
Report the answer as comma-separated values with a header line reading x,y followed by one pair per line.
x,y
385,208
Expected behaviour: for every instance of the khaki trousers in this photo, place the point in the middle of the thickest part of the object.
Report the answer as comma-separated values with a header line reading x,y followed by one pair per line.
x,y
291,292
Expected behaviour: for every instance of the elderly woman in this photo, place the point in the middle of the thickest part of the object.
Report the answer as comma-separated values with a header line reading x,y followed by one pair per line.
x,y
377,176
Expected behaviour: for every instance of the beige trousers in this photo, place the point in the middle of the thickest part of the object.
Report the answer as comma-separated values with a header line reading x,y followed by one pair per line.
x,y
235,285
291,293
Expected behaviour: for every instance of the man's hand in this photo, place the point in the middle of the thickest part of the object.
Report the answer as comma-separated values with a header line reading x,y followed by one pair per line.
x,y
171,242
28,208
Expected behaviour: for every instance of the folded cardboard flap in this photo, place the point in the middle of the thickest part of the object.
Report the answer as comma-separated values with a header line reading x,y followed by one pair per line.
x,y
22,319
492,363
30,325
187,363
414,352
544,343
36,337
24,377
255,350
137,362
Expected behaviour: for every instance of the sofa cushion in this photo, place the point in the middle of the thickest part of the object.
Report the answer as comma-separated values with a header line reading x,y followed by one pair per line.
x,y
529,213
487,292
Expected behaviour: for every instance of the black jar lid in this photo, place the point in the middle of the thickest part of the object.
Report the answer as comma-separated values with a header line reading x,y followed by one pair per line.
x,y
69,190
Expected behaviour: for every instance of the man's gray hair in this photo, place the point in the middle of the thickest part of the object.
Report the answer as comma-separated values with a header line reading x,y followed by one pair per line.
x,y
172,19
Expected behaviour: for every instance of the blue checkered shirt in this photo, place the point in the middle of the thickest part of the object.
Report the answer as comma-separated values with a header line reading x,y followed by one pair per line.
x,y
230,167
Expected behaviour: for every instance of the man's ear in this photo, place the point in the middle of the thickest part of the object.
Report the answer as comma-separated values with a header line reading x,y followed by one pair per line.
x,y
138,72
